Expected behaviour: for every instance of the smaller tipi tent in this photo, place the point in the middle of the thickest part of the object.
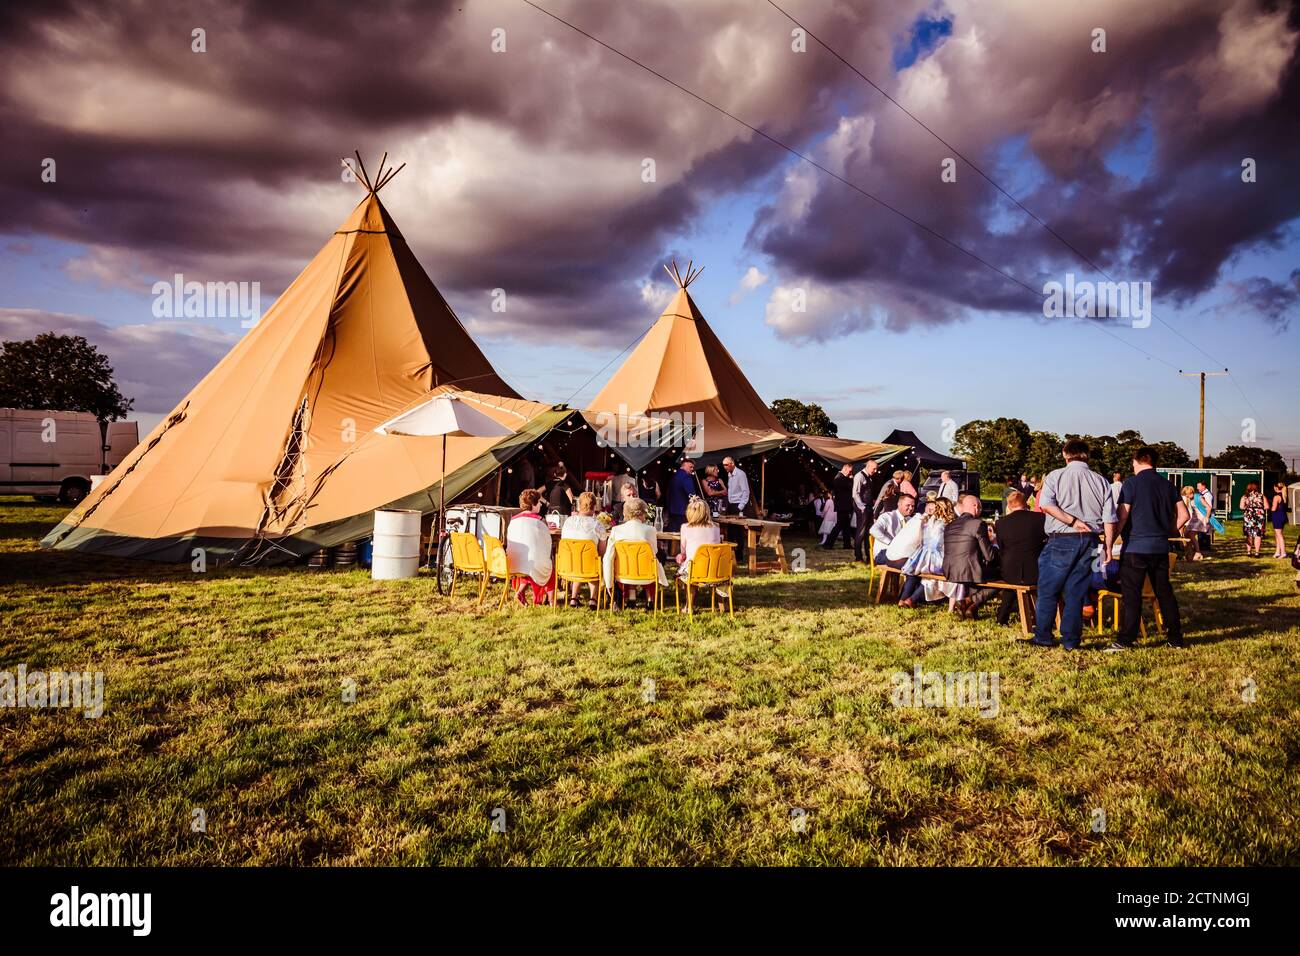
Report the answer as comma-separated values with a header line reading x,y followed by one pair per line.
x,y
682,366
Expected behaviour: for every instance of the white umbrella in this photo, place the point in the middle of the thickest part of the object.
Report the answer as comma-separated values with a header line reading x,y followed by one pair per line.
x,y
444,415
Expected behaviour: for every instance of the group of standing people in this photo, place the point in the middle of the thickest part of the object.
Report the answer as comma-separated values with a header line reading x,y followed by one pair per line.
x,y
729,496
1255,508
1064,546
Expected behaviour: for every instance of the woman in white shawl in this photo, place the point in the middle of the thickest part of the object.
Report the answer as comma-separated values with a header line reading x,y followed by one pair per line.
x,y
528,548
632,528
928,559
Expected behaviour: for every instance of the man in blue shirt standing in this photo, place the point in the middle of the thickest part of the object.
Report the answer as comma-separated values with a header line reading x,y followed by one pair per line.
x,y
1079,506
680,490
1150,512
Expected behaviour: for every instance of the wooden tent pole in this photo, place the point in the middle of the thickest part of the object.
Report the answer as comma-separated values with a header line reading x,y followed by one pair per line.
x,y
442,490
762,487
365,176
389,178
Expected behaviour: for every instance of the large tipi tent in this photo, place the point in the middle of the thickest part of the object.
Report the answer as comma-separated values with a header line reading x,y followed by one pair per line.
x,y
273,453
682,366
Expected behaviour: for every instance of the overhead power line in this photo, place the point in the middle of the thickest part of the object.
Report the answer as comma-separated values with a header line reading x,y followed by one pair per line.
x,y
850,184
1084,257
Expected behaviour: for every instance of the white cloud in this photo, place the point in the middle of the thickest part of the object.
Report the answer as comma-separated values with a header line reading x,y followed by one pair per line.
x,y
750,281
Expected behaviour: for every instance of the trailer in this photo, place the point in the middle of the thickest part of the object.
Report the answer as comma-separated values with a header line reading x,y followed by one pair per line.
x,y
54,454
1227,484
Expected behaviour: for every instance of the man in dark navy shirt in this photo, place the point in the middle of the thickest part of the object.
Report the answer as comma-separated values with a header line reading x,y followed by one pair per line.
x,y
681,489
1150,511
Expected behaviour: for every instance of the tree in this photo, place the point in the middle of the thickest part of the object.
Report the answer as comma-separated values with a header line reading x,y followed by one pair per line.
x,y
804,419
1044,454
1170,454
1112,453
60,372
1248,456
994,448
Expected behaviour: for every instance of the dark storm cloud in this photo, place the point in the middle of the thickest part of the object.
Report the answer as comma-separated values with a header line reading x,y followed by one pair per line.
x,y
524,167
1277,303
1209,83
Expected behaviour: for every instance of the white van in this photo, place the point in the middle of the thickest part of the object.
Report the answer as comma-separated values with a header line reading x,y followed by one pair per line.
x,y
54,454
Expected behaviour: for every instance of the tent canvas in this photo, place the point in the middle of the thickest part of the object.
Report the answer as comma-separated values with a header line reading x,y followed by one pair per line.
x,y
682,366
923,454
276,440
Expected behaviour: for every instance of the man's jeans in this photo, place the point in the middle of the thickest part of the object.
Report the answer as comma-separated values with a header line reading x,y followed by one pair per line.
x,y
1064,572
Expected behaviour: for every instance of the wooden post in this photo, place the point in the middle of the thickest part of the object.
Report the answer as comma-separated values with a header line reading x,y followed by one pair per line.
x,y
1200,444
1200,441
762,488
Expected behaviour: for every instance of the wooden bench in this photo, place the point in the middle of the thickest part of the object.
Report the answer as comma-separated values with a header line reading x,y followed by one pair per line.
x,y
891,586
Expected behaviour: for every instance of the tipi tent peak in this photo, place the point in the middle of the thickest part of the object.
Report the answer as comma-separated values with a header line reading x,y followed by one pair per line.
x,y
691,273
381,179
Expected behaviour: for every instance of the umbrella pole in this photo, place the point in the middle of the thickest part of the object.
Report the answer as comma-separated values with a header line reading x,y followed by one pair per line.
x,y
442,492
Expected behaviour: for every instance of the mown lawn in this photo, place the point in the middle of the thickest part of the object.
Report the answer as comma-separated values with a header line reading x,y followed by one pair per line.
x,y
223,692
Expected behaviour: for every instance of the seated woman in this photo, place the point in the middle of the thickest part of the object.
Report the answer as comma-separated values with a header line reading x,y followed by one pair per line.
x,y
714,489
699,529
633,528
584,526
528,548
928,559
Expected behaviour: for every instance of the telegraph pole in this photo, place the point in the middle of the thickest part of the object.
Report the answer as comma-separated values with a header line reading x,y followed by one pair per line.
x,y
1200,453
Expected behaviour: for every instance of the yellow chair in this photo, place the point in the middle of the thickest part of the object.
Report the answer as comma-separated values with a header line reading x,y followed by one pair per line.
x,y
713,565
635,564
871,561
1117,603
467,559
498,566
577,562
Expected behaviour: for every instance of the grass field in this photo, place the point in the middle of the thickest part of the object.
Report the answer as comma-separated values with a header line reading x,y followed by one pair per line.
x,y
772,740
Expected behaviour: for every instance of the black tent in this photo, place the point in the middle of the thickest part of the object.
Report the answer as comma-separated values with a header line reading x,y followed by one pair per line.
x,y
921,453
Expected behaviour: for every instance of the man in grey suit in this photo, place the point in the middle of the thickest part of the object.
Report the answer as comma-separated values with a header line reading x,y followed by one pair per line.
x,y
968,556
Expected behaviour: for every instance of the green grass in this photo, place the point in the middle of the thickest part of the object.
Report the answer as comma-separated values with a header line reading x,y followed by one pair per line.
x,y
223,693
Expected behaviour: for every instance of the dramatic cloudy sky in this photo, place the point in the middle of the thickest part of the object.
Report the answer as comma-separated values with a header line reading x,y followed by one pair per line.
x,y
525,173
